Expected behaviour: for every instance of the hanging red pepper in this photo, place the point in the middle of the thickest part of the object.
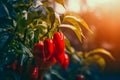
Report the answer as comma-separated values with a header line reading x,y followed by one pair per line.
x,y
12,66
47,52
48,48
35,73
80,77
39,55
58,39
53,60
60,58
49,63
38,49
66,62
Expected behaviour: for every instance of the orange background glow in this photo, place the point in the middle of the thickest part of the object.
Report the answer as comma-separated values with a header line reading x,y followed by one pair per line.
x,y
103,17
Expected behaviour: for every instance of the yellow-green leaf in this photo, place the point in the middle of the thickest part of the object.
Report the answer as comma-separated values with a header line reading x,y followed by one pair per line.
x,y
79,20
96,59
76,25
99,50
85,25
77,31
68,46
50,16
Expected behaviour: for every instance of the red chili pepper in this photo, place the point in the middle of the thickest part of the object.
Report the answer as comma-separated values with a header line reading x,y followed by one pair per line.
x,y
35,73
39,55
38,49
80,77
12,66
52,60
60,58
49,63
66,62
58,39
48,48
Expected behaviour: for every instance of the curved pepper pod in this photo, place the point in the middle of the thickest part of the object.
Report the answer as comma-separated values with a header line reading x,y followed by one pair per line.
x,y
52,60
38,49
58,40
49,63
60,58
39,55
35,73
48,48
66,62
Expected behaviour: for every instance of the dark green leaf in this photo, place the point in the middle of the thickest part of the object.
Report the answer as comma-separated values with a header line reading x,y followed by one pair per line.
x,y
26,50
4,13
5,39
51,16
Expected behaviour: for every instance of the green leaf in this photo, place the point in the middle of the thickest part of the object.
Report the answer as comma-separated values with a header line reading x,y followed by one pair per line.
x,y
99,50
23,59
5,39
26,50
50,16
60,2
76,58
96,59
72,17
74,22
4,13
36,3
57,22
77,31
38,12
56,74
68,46
85,25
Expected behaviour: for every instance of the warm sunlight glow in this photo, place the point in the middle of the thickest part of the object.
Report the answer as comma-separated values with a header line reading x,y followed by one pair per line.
x,y
74,5
95,3
59,9
77,5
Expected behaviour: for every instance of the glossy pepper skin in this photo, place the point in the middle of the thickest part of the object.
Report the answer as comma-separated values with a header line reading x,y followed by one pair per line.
x,y
38,49
58,39
48,48
49,51
35,73
49,63
66,62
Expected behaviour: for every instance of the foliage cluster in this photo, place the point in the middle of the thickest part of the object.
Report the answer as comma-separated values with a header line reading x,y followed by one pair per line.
x,y
25,22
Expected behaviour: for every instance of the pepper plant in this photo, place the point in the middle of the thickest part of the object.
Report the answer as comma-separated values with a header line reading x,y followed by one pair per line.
x,y
33,44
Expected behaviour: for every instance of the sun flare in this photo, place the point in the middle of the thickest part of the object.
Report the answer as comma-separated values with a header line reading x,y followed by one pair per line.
x,y
74,5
